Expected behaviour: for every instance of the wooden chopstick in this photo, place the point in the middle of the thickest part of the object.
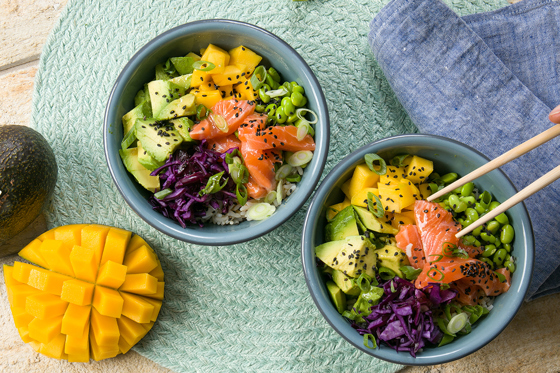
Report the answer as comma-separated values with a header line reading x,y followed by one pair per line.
x,y
534,187
501,160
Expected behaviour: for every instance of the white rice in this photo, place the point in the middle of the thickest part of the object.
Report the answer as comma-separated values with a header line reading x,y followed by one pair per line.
x,y
237,213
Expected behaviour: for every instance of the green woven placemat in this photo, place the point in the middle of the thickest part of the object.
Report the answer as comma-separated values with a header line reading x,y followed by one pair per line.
x,y
238,308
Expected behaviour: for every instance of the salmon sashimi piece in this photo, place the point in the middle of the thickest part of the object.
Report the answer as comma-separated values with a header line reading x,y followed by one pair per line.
x,y
223,144
470,294
253,123
279,137
225,118
254,190
275,155
409,241
436,227
261,168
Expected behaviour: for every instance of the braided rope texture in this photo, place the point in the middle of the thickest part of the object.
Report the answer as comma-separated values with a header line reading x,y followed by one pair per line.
x,y
241,308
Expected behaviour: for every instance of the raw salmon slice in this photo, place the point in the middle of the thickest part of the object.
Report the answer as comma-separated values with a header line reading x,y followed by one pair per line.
x,y
261,167
436,227
408,240
279,137
223,144
254,189
253,123
225,118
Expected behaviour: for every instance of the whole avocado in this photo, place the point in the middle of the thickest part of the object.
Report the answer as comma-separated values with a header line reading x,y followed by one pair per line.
x,y
28,174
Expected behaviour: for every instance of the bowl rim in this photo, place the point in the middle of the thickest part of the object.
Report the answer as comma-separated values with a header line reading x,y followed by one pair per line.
x,y
200,237
308,257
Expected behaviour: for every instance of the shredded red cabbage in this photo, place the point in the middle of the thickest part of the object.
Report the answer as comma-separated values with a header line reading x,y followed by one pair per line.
x,y
403,318
186,173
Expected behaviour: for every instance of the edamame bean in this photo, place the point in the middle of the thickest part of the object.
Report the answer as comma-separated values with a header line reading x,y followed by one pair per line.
x,y
298,89
487,237
298,99
271,82
271,109
470,200
469,240
499,257
263,96
476,232
453,200
507,247
292,118
289,108
477,243
489,250
260,108
510,266
488,261
288,86
493,226
502,218
467,189
449,178
493,205
471,214
280,115
274,74
485,199
479,208
506,234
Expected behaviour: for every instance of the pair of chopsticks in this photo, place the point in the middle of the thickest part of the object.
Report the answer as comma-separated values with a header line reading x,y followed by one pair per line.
x,y
510,155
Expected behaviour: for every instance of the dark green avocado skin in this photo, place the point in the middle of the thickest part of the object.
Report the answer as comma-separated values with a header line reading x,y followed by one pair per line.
x,y
28,173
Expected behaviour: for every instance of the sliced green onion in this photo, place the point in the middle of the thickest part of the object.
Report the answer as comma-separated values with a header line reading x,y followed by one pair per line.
x,y
163,193
213,184
293,178
500,277
386,273
443,327
438,271
201,112
451,250
376,209
301,112
439,257
457,323
369,337
364,282
277,92
283,172
372,157
260,211
393,287
239,173
302,131
203,65
232,157
255,81
349,315
270,197
300,158
241,193
221,123
410,272
446,339
398,160
280,191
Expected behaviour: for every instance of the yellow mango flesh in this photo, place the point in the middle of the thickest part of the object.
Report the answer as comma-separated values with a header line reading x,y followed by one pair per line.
x,y
362,178
360,198
78,318
336,208
393,175
207,98
242,55
419,169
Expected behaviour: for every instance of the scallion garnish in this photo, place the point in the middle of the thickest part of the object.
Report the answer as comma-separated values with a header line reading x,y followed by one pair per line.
x,y
500,277
372,157
398,160
301,115
375,208
300,158
258,77
277,92
221,123
364,283
451,250
201,112
457,323
260,211
283,172
241,193
438,256
239,173
368,337
270,197
203,65
280,191
213,185
386,274
438,271
163,193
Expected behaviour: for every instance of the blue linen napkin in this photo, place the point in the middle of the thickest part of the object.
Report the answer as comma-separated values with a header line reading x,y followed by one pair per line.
x,y
490,81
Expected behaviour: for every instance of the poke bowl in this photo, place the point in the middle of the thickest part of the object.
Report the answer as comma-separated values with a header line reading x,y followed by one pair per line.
x,y
410,319
242,55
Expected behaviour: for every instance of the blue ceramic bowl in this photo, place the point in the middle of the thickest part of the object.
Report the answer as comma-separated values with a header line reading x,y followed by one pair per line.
x,y
178,42
448,156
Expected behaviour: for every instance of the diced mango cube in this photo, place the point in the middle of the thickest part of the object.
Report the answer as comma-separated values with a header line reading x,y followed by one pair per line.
x,y
139,283
389,197
9,279
75,320
401,219
57,255
21,272
425,190
219,57
50,282
159,292
93,237
130,330
84,263
200,77
104,329
247,92
24,334
124,346
346,188
393,175
157,307
226,90
135,243
79,358
77,292
115,245
17,294
244,56
77,345
31,252
112,274
21,317
336,208
419,169
70,235
102,352
207,98
157,272
35,345
231,75
47,235
360,198
362,178
44,306
45,330
107,302
136,308
55,348
141,260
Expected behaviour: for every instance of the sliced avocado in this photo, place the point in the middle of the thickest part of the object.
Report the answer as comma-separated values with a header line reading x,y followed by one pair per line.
x,y
146,160
373,223
183,65
129,119
142,175
159,139
337,296
393,258
184,127
343,225
346,284
183,81
165,71
179,108
162,92
352,255
129,138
